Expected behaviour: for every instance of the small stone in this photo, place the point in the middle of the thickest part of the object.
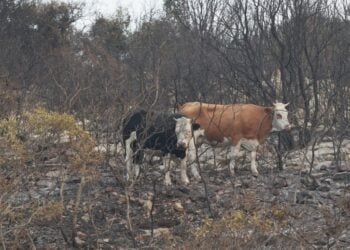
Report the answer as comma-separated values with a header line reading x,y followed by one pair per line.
x,y
178,207
275,192
79,241
238,183
53,173
86,217
157,232
327,181
45,183
220,192
184,190
81,234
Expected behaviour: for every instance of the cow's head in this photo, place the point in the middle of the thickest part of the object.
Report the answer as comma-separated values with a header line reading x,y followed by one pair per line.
x,y
280,117
183,130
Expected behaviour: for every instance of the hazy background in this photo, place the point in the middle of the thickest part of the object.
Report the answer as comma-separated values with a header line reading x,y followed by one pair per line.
x,y
108,8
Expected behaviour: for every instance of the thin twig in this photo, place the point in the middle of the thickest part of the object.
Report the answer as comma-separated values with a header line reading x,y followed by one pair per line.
x,y
202,178
2,238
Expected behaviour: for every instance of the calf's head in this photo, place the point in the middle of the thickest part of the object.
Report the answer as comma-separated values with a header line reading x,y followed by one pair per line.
x,y
280,117
183,130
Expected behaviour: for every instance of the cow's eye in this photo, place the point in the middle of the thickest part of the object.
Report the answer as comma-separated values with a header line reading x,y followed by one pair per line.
x,y
279,116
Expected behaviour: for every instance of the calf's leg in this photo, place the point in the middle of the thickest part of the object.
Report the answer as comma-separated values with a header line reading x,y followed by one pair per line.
x,y
129,155
191,155
167,167
184,177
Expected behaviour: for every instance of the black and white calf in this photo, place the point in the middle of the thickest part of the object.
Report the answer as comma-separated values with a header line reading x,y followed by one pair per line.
x,y
168,133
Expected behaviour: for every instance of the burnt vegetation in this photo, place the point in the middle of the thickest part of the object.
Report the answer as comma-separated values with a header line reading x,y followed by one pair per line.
x,y
65,91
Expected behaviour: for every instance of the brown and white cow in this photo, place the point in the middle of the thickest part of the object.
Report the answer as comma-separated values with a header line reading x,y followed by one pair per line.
x,y
235,125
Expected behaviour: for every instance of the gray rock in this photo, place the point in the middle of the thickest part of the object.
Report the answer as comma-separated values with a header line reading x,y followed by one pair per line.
x,y
336,193
342,177
46,183
53,173
289,196
310,182
327,181
34,194
345,237
304,197
323,168
280,182
323,189
48,191
344,167
73,179
19,198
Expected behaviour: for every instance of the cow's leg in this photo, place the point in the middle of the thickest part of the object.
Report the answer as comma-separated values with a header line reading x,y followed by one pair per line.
x,y
234,151
253,163
252,146
129,155
240,153
184,177
191,155
167,166
232,159
137,159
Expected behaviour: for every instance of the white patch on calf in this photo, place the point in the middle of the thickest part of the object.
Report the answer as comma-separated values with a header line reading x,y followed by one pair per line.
x,y
183,131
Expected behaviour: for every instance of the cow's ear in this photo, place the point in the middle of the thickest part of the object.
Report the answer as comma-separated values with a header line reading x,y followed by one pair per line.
x,y
195,126
178,107
285,105
268,110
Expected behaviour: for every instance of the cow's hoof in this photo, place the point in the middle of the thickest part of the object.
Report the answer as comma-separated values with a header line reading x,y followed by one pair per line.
x,y
185,182
197,178
168,184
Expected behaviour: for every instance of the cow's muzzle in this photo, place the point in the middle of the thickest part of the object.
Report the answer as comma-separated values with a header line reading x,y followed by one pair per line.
x,y
181,145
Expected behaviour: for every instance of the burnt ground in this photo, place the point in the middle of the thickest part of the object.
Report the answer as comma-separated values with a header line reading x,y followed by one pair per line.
x,y
278,210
